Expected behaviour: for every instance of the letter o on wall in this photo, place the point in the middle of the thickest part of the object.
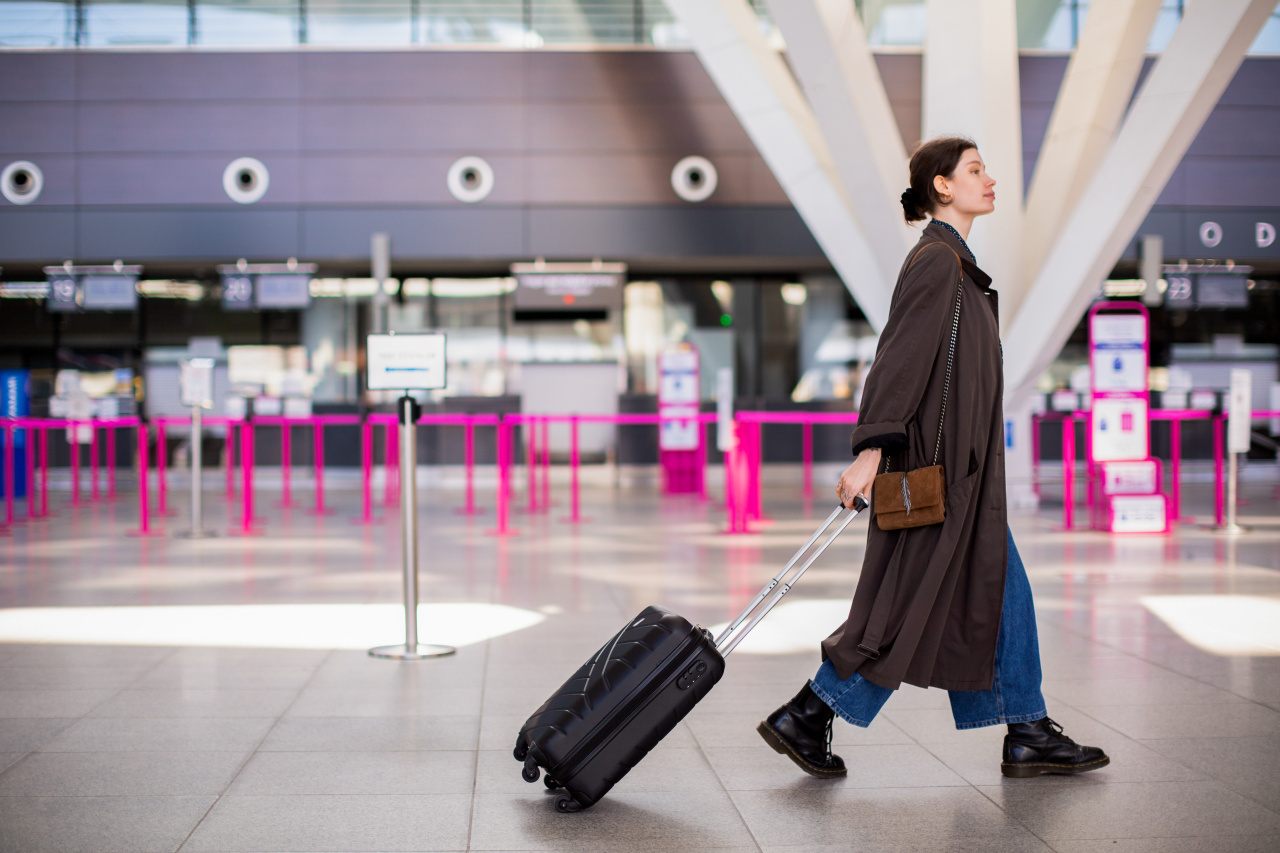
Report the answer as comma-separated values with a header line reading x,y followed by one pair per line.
x,y
21,182
470,179
245,180
694,179
1210,234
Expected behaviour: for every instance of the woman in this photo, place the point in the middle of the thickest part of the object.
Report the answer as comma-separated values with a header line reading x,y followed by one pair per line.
x,y
946,605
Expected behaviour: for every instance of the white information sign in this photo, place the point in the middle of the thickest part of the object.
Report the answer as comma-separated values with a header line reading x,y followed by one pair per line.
x,y
1130,478
406,362
195,378
678,397
1139,514
725,439
1119,429
1119,369
1240,411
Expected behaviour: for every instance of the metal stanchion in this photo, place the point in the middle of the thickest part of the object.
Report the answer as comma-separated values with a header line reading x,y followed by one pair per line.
x,y
411,649
1239,421
197,392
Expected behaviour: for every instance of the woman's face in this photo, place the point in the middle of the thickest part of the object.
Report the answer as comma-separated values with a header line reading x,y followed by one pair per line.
x,y
970,188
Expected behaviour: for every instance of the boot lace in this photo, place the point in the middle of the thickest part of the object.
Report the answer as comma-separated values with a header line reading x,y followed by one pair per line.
x,y
830,724
1056,729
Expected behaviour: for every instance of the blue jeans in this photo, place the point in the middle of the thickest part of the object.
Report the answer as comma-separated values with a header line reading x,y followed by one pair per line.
x,y
1014,696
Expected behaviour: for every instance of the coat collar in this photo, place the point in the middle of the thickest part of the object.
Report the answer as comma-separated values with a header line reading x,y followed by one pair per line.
x,y
938,234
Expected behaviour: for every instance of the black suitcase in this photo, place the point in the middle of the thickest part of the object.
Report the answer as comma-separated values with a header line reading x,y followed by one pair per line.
x,y
636,688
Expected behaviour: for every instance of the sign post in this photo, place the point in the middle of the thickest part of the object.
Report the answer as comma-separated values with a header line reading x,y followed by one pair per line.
x,y
408,362
196,379
1239,423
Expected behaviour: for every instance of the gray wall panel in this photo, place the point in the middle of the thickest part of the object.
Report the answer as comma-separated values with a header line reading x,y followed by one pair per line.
x,y
1232,181
1238,131
1254,84
708,130
28,234
221,235
59,180
670,232
227,127
902,75
763,187
187,75
604,179
139,179
38,76
413,126
463,233
442,76
613,76
30,129
402,179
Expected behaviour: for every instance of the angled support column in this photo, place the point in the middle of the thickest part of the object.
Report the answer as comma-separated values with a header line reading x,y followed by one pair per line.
x,y
827,49
1091,104
1172,106
766,99
971,87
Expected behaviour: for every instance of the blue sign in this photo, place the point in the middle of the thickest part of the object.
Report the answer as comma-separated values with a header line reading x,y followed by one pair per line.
x,y
15,402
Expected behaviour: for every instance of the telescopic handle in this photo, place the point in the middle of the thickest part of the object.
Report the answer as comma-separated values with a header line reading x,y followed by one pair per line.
x,y
728,639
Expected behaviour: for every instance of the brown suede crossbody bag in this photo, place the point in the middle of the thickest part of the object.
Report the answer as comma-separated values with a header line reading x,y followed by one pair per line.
x,y
917,498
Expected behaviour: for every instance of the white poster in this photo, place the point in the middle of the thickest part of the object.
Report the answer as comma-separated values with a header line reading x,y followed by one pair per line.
x,y
1130,478
1139,514
1119,429
1240,411
725,439
404,362
1119,369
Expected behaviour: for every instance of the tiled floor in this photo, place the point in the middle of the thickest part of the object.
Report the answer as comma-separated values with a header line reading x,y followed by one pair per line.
x,y
128,741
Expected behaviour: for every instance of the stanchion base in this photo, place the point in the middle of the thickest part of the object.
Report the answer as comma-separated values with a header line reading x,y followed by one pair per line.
x,y
252,531
510,531
1229,530
142,533
422,651
196,534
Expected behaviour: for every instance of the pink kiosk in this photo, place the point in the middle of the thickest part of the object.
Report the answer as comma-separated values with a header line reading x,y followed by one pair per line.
x,y
680,433
1124,485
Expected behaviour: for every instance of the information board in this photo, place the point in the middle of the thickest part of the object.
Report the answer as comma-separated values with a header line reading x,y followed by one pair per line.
x,y
109,292
406,362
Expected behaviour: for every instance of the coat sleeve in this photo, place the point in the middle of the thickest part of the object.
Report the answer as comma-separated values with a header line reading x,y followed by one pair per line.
x,y
918,318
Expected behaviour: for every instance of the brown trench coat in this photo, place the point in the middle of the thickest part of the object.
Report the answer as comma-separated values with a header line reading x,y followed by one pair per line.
x,y
943,584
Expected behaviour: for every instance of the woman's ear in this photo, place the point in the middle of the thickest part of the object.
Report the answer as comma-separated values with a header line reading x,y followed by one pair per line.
x,y
940,184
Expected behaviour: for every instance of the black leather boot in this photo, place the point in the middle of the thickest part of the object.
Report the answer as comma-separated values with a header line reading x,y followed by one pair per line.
x,y
801,730
1031,749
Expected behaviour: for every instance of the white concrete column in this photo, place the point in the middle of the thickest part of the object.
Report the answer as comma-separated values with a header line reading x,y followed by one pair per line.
x,y
1095,92
971,88
1165,117
766,99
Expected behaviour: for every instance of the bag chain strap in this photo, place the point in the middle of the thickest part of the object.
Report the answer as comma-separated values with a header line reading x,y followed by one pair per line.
x,y
946,383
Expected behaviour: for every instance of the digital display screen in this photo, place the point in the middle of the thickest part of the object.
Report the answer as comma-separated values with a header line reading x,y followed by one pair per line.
x,y
109,292
237,293
1222,290
568,291
283,291
62,293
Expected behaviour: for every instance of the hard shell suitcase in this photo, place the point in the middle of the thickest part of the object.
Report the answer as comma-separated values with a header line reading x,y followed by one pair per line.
x,y
634,690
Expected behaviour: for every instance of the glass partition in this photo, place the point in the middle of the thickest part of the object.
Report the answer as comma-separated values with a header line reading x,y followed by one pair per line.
x,y
499,22
247,23
37,24
135,23
359,22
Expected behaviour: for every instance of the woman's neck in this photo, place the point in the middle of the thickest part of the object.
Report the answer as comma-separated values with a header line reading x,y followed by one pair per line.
x,y
959,221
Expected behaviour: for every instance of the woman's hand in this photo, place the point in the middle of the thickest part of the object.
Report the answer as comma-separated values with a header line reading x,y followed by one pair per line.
x,y
856,479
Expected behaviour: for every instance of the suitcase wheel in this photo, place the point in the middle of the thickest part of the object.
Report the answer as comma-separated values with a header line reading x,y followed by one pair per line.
x,y
530,771
568,805
551,784
522,748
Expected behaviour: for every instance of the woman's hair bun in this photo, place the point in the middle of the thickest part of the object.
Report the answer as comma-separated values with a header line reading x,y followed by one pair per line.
x,y
911,205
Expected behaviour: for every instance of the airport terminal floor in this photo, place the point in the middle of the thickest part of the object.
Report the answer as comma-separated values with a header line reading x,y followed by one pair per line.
x,y
217,696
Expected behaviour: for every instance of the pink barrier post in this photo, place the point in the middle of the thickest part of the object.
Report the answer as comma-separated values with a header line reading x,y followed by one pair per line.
x,y
246,471
111,463
531,461
470,508
574,514
391,462
807,453
756,461
31,472
93,459
75,464
318,433
144,499
231,461
44,472
1219,479
286,464
9,479
702,461
162,453
366,471
1088,465
506,454
1068,471
546,464
1175,460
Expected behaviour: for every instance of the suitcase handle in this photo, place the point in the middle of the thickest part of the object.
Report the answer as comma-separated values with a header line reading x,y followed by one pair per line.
x,y
731,636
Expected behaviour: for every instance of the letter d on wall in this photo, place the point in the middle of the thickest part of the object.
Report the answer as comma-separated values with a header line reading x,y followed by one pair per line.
x,y
1264,234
